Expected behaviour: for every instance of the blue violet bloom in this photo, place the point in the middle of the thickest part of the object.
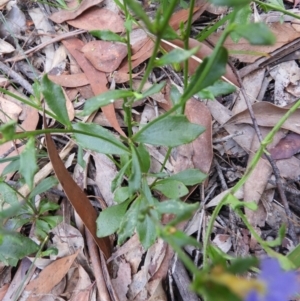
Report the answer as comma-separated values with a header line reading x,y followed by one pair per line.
x,y
280,285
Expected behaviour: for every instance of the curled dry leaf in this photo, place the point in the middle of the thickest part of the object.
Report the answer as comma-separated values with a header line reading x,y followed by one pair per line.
x,y
267,115
99,19
105,56
65,15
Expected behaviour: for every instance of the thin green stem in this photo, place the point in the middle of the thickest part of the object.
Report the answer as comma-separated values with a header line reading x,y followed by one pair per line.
x,y
268,139
186,44
276,8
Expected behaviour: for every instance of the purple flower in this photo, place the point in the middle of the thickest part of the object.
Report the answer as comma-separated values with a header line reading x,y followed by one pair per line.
x,y
280,285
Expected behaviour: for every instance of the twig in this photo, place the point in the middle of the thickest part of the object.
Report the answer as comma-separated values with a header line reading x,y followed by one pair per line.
x,y
96,263
19,79
279,184
42,45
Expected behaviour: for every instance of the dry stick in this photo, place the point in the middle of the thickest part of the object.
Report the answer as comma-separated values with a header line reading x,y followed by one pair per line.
x,y
232,216
279,184
96,263
42,45
18,78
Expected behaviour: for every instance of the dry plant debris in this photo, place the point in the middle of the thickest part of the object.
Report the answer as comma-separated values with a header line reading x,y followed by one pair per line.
x,y
84,67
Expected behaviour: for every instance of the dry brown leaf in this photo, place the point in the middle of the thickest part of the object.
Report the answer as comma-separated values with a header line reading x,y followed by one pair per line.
x,y
49,277
3,290
99,19
70,80
284,33
11,110
65,15
105,56
97,79
223,242
286,147
267,115
76,196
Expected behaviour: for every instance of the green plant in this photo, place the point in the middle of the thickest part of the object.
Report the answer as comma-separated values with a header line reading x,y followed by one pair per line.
x,y
138,208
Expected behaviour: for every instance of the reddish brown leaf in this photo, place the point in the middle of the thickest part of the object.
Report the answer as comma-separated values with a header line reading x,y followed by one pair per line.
x,y
76,196
49,277
180,16
65,15
70,80
97,79
99,19
105,56
287,147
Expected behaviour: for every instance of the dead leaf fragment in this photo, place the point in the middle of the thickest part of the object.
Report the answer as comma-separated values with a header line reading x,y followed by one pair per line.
x,y
70,80
49,277
105,56
287,147
65,15
99,19
5,47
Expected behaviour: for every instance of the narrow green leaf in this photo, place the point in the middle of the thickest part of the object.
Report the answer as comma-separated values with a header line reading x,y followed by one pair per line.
x,y
117,181
140,12
176,56
189,177
28,165
169,33
256,33
46,205
176,207
147,232
230,2
242,265
144,157
201,80
153,89
55,99
7,131
121,194
99,139
129,221
43,186
109,220
294,256
107,35
169,131
94,103
135,178
15,246
52,221
7,195
11,167
171,188
218,88
242,17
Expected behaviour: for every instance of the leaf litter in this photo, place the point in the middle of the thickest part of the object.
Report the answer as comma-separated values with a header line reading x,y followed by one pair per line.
x,y
140,274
